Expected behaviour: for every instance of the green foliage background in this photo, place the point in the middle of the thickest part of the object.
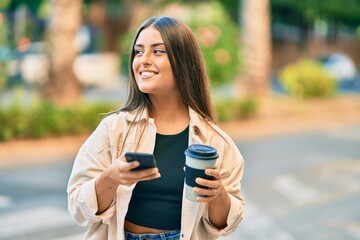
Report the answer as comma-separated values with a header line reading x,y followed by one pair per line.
x,y
345,12
217,34
222,68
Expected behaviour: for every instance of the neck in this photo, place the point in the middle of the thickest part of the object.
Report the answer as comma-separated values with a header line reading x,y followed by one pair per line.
x,y
171,115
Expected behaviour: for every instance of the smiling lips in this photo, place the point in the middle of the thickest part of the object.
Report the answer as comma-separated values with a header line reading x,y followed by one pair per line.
x,y
147,73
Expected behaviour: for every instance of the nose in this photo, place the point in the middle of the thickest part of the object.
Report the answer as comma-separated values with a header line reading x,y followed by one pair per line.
x,y
146,59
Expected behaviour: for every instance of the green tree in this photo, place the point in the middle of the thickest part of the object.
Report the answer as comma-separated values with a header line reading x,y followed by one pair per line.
x,y
304,13
34,24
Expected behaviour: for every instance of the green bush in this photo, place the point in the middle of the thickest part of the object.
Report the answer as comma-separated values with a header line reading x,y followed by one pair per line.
x,y
236,109
307,79
44,119
219,39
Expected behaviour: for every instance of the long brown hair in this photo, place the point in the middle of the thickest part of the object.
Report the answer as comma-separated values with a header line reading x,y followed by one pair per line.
x,y
187,65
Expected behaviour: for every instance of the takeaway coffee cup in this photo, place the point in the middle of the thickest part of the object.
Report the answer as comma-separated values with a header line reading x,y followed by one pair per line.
x,y
198,158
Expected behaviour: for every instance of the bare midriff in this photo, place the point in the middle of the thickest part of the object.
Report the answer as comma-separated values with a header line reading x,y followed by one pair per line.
x,y
137,229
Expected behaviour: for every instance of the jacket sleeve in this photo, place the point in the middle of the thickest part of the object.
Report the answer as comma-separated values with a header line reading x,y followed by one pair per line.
x,y
92,159
232,168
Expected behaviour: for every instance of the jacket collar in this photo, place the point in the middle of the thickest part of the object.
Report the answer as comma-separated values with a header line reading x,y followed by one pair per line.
x,y
198,126
137,115
197,123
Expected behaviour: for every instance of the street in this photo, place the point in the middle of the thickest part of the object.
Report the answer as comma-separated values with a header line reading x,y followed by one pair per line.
x,y
297,186
303,186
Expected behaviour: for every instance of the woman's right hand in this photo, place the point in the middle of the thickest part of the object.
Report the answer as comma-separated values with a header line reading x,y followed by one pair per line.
x,y
121,173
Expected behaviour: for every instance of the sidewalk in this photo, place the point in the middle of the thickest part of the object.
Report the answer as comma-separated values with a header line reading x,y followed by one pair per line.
x,y
282,116
276,116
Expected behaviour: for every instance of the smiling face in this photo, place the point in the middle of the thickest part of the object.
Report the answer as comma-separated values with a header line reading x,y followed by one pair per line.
x,y
151,65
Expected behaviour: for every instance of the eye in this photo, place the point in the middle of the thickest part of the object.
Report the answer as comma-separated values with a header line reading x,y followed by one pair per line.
x,y
138,52
159,51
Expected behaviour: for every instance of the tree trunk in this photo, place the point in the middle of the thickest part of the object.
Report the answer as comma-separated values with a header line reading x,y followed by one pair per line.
x,y
63,87
256,38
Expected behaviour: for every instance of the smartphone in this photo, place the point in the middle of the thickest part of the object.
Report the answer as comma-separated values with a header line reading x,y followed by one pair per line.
x,y
147,160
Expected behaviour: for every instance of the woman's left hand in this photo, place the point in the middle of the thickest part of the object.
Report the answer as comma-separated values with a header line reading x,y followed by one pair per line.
x,y
213,188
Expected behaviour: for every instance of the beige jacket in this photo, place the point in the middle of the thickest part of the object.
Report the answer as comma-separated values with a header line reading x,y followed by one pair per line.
x,y
112,138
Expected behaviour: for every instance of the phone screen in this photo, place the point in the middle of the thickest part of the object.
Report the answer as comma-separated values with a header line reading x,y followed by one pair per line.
x,y
146,160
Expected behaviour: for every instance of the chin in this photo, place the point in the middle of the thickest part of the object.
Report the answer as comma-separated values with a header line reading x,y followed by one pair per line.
x,y
145,89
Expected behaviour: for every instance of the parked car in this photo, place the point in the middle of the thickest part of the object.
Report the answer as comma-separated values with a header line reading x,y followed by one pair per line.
x,y
33,63
339,65
92,69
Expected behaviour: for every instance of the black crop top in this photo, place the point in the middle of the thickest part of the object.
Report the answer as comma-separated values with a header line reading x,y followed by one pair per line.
x,y
157,203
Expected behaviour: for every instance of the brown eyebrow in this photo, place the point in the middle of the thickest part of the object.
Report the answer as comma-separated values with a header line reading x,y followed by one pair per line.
x,y
152,45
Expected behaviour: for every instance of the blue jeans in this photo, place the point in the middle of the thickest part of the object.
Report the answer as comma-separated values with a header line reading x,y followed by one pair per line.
x,y
171,235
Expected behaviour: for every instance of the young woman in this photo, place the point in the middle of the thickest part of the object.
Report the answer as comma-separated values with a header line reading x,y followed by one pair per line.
x,y
168,109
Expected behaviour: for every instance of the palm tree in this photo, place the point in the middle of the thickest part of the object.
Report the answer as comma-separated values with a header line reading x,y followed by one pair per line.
x,y
256,46
62,86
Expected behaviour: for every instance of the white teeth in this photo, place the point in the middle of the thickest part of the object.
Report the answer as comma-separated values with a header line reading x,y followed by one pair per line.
x,y
147,74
